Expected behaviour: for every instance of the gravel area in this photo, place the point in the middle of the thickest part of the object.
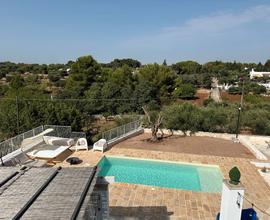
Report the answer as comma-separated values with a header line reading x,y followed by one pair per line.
x,y
189,145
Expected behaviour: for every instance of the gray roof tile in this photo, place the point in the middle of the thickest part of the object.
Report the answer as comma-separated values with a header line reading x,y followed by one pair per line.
x,y
57,201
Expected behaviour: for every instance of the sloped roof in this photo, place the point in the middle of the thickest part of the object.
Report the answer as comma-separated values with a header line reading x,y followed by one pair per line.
x,y
59,198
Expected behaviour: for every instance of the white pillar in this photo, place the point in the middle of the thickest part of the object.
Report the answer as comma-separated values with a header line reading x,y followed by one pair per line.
x,y
231,201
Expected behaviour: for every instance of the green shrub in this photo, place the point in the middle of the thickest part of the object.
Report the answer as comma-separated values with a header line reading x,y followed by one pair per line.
x,y
96,137
258,120
215,120
234,90
234,175
124,119
185,117
255,88
208,101
188,91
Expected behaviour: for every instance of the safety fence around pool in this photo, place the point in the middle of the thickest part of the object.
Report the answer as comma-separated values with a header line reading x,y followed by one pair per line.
x,y
14,143
121,131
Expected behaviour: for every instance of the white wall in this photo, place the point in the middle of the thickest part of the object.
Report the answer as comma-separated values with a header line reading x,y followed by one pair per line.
x,y
231,202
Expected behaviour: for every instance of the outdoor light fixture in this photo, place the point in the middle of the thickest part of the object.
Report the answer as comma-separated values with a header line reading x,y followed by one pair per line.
x,y
241,79
238,201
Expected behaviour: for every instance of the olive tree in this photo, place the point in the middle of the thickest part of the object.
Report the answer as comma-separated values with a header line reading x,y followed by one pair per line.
x,y
184,117
154,120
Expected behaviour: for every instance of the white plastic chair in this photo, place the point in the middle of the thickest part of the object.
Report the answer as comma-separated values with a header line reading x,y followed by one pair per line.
x,y
81,144
100,145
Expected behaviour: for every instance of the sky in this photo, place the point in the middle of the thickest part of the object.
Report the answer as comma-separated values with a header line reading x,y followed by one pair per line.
x,y
56,31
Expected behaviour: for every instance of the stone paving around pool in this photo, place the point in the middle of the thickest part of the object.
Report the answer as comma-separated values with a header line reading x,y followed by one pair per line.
x,y
146,202
196,205
130,201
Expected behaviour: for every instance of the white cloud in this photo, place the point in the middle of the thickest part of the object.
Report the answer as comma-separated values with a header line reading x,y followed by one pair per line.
x,y
239,35
210,25
222,21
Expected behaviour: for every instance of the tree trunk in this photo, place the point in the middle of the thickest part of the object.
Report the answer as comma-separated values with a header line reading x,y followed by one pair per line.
x,y
162,133
154,137
154,125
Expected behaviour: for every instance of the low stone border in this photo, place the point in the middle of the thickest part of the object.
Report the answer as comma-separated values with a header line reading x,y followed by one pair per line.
x,y
258,154
261,164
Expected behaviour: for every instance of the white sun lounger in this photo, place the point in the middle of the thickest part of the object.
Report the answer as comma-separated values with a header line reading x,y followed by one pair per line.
x,y
100,145
58,141
47,154
45,147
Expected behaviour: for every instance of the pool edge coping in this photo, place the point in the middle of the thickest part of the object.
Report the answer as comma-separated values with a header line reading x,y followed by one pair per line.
x,y
163,161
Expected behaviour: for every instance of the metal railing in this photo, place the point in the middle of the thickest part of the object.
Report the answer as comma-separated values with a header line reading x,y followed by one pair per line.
x,y
59,130
64,131
14,143
76,135
121,130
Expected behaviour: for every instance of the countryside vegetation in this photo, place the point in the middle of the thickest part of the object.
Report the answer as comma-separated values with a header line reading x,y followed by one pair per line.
x,y
76,92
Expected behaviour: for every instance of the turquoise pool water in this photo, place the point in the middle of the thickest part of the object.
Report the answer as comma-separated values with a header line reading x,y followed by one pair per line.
x,y
162,174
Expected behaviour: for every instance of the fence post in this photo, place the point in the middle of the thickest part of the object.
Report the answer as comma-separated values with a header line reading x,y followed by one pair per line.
x,y
17,115
12,145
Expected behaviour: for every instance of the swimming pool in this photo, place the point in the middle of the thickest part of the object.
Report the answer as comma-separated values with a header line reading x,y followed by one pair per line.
x,y
200,178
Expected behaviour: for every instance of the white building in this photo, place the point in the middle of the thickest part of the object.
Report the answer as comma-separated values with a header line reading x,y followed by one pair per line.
x,y
253,74
225,86
266,85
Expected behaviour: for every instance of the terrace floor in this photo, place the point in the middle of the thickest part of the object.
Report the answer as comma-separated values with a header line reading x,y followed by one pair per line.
x,y
130,201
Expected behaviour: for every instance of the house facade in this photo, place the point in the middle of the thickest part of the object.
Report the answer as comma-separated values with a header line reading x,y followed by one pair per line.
x,y
254,74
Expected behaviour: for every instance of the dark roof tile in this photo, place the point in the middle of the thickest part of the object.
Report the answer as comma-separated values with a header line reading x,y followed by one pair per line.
x,y
57,201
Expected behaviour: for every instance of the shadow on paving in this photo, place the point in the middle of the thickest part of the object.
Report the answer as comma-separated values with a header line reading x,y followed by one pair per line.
x,y
140,212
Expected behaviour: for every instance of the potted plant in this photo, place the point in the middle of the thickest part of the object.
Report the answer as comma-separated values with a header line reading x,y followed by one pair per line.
x,y
234,175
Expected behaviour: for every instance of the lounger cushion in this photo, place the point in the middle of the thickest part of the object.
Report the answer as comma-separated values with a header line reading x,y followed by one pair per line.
x,y
49,154
58,141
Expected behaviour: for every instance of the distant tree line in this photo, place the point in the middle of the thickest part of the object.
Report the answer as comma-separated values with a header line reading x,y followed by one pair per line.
x,y
189,71
77,90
